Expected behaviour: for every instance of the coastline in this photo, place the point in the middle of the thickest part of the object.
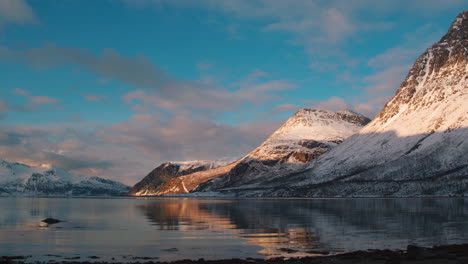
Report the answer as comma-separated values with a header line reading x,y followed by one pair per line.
x,y
448,254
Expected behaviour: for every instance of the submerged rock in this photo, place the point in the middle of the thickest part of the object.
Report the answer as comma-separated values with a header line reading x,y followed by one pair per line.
x,y
51,221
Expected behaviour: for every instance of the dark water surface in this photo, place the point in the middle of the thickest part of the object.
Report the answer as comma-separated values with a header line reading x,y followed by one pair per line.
x,y
181,228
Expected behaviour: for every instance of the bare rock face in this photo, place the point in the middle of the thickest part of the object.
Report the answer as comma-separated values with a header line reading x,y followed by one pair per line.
x,y
416,146
188,183
151,184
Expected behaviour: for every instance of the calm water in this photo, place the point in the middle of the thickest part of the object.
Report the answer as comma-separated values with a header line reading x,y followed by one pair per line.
x,y
171,229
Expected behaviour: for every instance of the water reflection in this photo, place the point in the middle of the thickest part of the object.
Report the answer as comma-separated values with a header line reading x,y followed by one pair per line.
x,y
173,228
184,214
298,227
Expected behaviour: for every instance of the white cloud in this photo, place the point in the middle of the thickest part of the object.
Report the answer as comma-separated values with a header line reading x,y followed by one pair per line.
x,y
371,107
323,66
286,108
93,98
204,65
336,26
36,100
138,71
20,92
391,57
332,104
368,108
43,100
30,104
388,80
16,12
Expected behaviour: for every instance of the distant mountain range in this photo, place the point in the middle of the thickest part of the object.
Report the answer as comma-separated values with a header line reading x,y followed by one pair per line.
x,y
416,146
19,179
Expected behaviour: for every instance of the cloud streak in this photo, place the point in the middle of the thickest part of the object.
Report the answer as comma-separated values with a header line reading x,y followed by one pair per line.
x,y
137,71
33,103
16,12
154,86
43,100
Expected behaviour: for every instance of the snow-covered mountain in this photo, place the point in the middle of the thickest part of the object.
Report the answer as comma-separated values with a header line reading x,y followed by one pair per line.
x,y
169,170
304,137
20,179
416,146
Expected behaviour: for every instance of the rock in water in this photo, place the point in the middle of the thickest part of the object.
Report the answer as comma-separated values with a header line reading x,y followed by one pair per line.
x,y
51,221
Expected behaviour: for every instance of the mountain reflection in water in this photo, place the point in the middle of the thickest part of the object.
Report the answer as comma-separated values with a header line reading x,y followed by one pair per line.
x,y
306,226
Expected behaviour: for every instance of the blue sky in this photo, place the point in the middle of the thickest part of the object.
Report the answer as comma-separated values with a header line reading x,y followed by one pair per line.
x,y
114,87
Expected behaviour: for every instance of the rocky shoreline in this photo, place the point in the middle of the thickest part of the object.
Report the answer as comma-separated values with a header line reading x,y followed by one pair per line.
x,y
450,254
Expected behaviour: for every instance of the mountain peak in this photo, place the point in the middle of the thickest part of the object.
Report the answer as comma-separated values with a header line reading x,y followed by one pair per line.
x,y
459,28
309,117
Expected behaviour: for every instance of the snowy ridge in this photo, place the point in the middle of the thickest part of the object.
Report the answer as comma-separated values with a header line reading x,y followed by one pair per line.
x,y
192,164
21,179
320,125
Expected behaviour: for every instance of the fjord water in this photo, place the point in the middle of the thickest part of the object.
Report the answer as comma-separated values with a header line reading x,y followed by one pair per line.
x,y
124,229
